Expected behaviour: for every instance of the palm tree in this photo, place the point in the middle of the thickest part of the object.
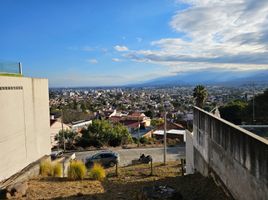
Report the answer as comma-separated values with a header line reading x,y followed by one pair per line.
x,y
200,95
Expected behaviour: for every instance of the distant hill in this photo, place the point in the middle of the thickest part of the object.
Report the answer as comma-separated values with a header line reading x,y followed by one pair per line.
x,y
210,78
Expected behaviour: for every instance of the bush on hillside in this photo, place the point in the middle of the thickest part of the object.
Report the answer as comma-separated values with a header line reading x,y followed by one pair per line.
x,y
46,168
144,140
97,172
77,170
135,140
57,169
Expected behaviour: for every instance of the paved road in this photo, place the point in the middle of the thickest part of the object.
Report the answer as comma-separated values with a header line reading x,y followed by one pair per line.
x,y
127,155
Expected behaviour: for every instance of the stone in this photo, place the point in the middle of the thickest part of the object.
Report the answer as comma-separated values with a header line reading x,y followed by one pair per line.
x,y
8,195
17,190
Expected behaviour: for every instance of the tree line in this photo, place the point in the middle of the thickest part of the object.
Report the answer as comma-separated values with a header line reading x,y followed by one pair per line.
x,y
99,133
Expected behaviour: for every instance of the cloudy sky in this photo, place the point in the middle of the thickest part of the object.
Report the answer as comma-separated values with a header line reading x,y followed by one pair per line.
x,y
104,42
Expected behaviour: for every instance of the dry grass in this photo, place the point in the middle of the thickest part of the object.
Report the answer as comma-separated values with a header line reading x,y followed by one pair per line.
x,y
46,168
57,169
97,172
77,170
127,185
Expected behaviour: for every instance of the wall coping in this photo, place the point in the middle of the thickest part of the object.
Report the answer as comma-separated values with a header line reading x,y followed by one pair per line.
x,y
253,135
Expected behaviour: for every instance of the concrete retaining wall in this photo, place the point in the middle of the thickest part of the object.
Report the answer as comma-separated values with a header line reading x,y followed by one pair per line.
x,y
189,153
24,123
238,157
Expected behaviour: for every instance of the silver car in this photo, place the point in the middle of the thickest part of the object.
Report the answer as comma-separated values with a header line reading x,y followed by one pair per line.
x,y
105,158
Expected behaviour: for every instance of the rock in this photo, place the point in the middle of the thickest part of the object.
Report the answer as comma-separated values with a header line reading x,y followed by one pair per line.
x,y
8,195
17,190
21,188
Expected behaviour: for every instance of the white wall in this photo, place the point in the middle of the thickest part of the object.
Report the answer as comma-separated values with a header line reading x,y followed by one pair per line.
x,y
55,128
24,123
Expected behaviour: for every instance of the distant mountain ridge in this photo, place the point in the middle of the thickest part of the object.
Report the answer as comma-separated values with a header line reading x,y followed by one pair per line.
x,y
209,78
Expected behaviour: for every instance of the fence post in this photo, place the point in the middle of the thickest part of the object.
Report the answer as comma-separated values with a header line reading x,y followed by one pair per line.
x,y
116,169
151,167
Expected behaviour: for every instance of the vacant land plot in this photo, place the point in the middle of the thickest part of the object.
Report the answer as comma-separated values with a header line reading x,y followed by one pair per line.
x,y
127,185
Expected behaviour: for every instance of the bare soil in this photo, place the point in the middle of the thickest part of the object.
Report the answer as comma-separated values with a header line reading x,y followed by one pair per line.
x,y
127,185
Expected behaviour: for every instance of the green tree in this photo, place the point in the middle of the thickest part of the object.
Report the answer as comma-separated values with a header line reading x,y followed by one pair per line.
x,y
119,135
150,113
83,106
261,109
200,94
234,111
69,136
102,132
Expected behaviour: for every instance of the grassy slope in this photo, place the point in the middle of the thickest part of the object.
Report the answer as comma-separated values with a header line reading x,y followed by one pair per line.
x,y
127,185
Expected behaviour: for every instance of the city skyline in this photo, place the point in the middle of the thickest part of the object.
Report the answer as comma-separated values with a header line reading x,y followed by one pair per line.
x,y
100,43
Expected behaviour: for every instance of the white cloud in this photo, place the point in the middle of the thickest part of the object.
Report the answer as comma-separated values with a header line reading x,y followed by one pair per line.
x,y
120,48
215,33
92,61
116,60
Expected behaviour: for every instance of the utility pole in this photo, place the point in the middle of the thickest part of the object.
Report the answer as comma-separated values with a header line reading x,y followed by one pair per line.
x,y
253,104
63,135
165,138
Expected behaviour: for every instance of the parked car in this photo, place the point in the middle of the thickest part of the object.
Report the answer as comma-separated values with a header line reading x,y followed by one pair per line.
x,y
105,158
56,154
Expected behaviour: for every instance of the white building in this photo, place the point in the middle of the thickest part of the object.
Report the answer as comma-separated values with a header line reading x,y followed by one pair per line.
x,y
24,123
55,127
79,125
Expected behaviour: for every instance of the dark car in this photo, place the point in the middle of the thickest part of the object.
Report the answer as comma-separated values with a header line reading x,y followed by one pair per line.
x,y
106,159
56,154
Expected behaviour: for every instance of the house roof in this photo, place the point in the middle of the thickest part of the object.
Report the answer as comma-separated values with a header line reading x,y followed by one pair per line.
x,y
115,118
170,125
131,123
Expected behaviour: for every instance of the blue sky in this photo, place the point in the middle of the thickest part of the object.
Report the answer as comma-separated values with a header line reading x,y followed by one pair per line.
x,y
104,42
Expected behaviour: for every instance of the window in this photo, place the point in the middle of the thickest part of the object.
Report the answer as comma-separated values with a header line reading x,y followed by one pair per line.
x,y
106,155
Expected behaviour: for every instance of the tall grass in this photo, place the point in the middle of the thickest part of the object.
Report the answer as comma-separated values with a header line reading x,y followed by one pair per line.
x,y
97,172
46,168
77,170
57,169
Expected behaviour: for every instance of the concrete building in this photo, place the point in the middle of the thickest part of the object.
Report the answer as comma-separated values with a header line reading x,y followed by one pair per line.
x,y
24,123
79,125
235,157
174,131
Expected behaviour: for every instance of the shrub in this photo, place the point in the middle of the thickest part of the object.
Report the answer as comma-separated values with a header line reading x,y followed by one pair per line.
x,y
77,170
57,169
97,172
114,141
151,140
135,140
144,140
46,168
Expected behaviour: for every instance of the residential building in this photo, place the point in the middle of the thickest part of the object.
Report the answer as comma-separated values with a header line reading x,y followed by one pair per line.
x,y
55,127
24,122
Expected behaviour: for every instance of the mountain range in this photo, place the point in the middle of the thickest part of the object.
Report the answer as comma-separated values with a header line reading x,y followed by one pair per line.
x,y
208,77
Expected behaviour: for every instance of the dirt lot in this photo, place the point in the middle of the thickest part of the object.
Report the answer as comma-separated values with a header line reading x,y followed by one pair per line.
x,y
127,185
